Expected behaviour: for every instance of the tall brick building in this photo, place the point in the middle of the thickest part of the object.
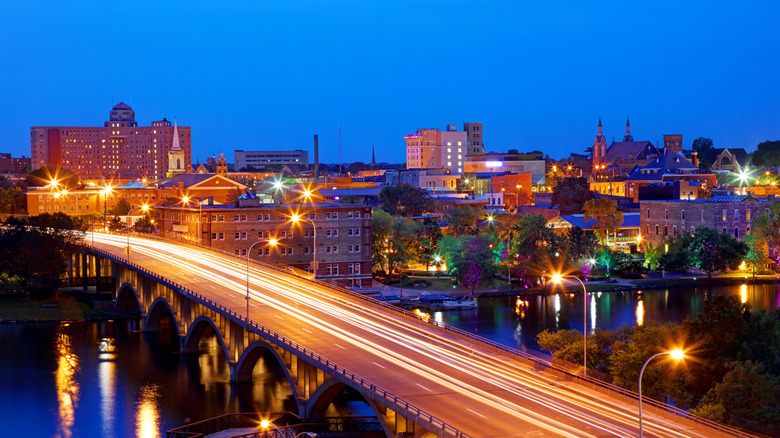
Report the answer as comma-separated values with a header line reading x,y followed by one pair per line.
x,y
118,149
343,235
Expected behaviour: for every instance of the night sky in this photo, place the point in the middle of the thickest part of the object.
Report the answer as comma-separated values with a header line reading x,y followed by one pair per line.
x,y
270,74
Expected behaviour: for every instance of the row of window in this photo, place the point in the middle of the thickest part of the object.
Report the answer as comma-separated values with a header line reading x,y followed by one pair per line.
x,y
352,269
724,216
57,208
682,231
267,217
335,232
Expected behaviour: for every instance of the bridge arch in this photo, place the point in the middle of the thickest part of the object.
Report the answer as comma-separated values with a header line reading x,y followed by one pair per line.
x,y
195,333
160,307
127,299
242,372
321,399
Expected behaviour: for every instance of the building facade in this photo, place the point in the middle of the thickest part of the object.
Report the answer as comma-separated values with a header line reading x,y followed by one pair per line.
x,y
9,164
343,235
435,149
118,149
261,159
732,214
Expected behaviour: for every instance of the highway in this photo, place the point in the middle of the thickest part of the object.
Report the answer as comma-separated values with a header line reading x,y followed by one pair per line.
x,y
479,391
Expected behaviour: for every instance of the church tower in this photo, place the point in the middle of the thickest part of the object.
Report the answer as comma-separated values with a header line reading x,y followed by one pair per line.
x,y
176,157
599,147
222,167
628,136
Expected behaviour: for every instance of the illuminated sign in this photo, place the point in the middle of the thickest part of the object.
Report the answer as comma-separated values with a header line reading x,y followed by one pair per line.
x,y
493,164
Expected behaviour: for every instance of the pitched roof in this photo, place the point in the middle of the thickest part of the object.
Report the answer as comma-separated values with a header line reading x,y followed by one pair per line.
x,y
630,220
191,179
121,106
668,163
629,150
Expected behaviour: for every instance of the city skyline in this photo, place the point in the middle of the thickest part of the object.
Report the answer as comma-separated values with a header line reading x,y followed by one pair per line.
x,y
257,77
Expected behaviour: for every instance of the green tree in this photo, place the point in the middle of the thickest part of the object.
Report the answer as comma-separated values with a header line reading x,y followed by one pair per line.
x,y
395,241
570,194
461,220
768,228
63,178
757,252
678,257
429,235
703,146
121,208
652,254
747,397
405,200
536,245
604,215
34,251
473,261
12,200
767,154
713,251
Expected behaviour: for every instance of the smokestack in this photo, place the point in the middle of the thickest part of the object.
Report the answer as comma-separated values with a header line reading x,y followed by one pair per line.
x,y
316,157
695,158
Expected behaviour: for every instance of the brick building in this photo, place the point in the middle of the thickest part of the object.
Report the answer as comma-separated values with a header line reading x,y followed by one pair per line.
x,y
733,214
343,235
120,148
9,164
435,149
516,188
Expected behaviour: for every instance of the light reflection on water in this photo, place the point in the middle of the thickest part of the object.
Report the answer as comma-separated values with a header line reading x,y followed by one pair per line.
x,y
106,377
67,386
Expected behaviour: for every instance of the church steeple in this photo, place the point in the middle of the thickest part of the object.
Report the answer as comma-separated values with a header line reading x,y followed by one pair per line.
x,y
599,147
373,156
600,126
176,156
628,136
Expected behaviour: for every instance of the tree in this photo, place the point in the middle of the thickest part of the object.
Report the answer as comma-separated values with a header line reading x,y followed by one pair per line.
x,y
757,252
703,146
143,225
473,260
768,228
34,251
121,208
604,215
429,235
536,245
652,254
395,241
767,154
678,257
461,220
713,251
571,194
746,397
43,177
233,195
405,200
12,200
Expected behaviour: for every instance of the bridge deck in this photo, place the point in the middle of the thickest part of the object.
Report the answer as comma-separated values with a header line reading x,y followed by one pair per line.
x,y
482,392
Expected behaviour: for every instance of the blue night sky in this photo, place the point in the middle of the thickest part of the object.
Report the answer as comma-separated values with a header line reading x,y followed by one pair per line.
x,y
267,75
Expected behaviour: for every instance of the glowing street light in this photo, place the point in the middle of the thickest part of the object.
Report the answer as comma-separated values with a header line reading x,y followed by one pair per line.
x,y
106,191
143,208
558,279
295,218
677,355
272,242
265,424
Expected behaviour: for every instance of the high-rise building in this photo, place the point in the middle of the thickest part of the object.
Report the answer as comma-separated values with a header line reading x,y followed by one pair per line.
x,y
434,149
120,148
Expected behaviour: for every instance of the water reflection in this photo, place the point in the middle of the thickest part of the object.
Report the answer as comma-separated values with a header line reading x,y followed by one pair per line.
x,y
640,312
592,313
743,293
106,381
147,419
65,378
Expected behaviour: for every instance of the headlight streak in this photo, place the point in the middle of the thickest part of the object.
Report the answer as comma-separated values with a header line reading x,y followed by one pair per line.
x,y
395,330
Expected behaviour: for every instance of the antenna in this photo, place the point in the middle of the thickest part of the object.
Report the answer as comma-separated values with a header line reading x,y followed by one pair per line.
x,y
339,149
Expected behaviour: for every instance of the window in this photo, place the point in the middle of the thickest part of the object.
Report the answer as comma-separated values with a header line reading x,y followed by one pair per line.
x,y
682,214
666,230
259,217
349,215
235,218
666,214
736,232
305,249
306,234
724,229
283,251
336,233
682,231
647,214
329,269
357,248
243,218
327,215
736,214
221,236
349,232
243,252
674,231
289,251
327,250
221,218
647,230
267,217
357,231
236,251
335,269
267,251
213,236
243,235
283,234
724,215
702,215
350,268
312,215
328,232
747,231
335,248
213,218
747,214
237,235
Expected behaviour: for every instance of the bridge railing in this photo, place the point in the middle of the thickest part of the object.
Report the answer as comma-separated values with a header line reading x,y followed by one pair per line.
x,y
387,396
332,368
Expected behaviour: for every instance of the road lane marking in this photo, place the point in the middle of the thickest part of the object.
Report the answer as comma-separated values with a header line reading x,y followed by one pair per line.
x,y
380,366
477,413
423,387
307,331
279,317
339,346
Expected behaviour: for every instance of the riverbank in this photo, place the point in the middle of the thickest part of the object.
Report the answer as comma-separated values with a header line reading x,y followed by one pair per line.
x,y
668,281
65,305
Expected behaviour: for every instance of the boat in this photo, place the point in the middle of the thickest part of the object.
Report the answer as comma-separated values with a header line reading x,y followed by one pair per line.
x,y
389,299
446,302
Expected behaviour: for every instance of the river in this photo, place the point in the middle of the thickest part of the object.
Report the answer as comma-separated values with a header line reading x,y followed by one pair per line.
x,y
54,382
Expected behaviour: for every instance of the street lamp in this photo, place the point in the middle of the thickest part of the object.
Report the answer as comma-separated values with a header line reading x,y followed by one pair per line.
x,y
144,208
105,192
295,218
558,279
674,354
186,200
517,195
271,242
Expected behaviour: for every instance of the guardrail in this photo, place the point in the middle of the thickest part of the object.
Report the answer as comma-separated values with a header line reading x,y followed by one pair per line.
x,y
332,368
337,369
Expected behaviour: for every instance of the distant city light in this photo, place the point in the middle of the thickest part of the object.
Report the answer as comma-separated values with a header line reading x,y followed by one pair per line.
x,y
493,164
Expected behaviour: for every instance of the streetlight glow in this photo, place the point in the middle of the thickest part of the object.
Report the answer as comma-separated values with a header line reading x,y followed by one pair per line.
x,y
675,354
557,278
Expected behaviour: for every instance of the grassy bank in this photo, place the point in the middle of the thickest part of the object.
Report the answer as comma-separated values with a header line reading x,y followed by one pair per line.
x,y
62,306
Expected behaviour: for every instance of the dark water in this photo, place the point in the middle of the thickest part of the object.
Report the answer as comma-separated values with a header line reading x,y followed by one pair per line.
x,y
53,381
516,321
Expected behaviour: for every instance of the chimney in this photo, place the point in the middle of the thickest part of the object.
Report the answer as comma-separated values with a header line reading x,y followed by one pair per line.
x,y
316,157
696,158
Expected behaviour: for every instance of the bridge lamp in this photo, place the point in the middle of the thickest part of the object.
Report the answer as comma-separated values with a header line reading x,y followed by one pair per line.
x,y
676,355
296,218
144,208
185,199
271,242
558,279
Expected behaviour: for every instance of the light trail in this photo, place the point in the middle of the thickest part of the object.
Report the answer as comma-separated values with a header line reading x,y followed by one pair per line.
x,y
407,349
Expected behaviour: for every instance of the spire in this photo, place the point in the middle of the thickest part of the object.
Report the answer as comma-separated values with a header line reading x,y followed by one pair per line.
x,y
599,125
373,155
176,141
628,137
627,122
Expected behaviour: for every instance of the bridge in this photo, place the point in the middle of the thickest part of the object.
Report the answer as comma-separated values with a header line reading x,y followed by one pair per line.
x,y
420,377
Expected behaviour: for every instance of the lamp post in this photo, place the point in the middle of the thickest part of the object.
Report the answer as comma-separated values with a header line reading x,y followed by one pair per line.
x,y
558,279
105,191
517,195
186,200
295,218
674,354
144,208
271,242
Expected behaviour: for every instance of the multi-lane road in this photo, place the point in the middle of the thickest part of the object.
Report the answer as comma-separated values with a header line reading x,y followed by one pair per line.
x,y
473,388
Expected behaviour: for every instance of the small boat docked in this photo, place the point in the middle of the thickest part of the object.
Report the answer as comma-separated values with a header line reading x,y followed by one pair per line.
x,y
447,302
